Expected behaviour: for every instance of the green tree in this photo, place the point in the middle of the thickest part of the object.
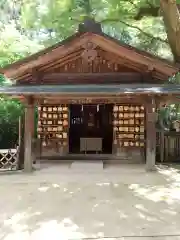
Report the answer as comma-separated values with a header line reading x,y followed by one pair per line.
x,y
14,45
51,21
154,24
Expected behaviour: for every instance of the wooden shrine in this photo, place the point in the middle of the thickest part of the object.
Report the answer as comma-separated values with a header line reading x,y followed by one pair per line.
x,y
94,95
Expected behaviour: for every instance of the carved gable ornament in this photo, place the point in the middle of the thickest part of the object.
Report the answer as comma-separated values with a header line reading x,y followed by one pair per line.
x,y
90,58
89,53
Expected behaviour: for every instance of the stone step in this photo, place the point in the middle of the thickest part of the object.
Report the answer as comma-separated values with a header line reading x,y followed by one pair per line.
x,y
87,165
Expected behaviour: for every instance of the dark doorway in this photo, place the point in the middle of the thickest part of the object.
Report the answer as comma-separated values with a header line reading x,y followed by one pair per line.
x,y
91,121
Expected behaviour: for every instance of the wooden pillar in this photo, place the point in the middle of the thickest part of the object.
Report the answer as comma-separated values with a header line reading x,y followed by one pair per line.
x,y
21,145
29,120
162,145
33,135
150,135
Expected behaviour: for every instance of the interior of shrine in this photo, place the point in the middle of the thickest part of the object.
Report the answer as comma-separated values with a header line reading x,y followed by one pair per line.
x,y
91,121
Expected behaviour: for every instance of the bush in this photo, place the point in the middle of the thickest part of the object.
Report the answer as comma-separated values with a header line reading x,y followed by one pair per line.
x,y
10,111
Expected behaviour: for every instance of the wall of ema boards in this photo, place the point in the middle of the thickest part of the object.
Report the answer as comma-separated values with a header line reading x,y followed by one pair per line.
x,y
53,126
129,125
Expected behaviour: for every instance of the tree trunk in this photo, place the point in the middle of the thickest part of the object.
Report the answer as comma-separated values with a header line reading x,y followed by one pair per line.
x,y
171,17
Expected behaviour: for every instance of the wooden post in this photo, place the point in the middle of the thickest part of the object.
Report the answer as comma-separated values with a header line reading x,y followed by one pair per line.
x,y
150,135
19,131
21,146
29,119
162,145
33,136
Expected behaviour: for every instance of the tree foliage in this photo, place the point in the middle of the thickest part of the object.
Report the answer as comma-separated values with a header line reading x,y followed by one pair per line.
x,y
10,111
44,22
47,22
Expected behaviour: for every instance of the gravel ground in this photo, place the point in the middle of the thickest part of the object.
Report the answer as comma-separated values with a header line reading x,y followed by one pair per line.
x,y
119,202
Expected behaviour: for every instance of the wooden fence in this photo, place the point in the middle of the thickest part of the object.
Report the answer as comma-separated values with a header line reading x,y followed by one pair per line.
x,y
168,146
8,159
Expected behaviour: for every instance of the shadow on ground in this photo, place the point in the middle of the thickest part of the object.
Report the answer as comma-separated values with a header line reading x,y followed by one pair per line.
x,y
80,209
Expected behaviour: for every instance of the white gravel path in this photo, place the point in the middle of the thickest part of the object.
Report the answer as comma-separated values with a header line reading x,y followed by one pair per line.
x,y
61,203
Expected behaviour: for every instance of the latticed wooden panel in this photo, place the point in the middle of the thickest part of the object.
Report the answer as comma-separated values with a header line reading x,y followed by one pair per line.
x,y
8,159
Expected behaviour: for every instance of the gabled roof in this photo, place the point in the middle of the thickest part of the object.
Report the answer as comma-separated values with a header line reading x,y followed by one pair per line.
x,y
120,50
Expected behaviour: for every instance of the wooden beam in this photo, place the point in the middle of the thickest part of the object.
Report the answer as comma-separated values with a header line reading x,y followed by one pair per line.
x,y
114,77
148,77
135,56
60,65
90,100
53,55
36,76
123,77
62,61
124,62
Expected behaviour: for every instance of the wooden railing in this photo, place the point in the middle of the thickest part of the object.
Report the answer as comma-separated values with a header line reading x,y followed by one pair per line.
x,y
168,146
